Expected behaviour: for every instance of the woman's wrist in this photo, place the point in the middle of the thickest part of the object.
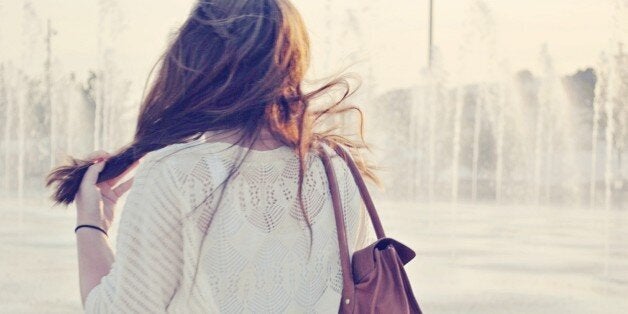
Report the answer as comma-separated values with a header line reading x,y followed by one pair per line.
x,y
100,223
87,228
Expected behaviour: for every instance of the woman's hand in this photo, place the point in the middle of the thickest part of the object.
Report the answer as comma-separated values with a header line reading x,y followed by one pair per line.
x,y
95,202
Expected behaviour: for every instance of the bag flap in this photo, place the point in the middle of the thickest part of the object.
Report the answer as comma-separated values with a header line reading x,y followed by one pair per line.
x,y
405,253
363,260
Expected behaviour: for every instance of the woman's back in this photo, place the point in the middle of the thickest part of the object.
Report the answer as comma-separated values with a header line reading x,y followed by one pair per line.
x,y
254,255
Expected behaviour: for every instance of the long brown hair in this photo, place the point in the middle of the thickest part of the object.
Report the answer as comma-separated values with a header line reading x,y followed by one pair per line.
x,y
233,65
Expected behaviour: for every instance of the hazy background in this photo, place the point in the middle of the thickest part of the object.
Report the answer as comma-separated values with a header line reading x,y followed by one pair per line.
x,y
505,162
576,31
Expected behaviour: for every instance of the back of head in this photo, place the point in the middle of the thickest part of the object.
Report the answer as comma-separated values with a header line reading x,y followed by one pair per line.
x,y
231,62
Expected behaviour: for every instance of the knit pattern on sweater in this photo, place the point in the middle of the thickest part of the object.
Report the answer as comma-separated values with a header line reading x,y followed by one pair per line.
x,y
189,243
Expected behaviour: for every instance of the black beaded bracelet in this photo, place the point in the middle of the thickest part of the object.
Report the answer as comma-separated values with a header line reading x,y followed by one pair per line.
x,y
91,226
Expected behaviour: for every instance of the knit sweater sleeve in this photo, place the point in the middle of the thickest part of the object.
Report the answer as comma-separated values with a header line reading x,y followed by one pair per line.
x,y
148,263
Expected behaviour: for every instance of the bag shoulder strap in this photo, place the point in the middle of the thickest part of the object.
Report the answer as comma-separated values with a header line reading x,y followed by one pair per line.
x,y
364,192
345,261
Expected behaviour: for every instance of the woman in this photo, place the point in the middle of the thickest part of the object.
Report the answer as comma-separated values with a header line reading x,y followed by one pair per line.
x,y
229,209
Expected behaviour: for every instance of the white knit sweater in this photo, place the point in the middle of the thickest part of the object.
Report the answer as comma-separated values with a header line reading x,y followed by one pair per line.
x,y
252,258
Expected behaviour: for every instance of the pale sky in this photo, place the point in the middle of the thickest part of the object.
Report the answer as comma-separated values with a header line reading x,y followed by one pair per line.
x,y
393,40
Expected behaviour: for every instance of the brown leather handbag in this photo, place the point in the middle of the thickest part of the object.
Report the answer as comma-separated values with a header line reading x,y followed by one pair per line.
x,y
374,280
